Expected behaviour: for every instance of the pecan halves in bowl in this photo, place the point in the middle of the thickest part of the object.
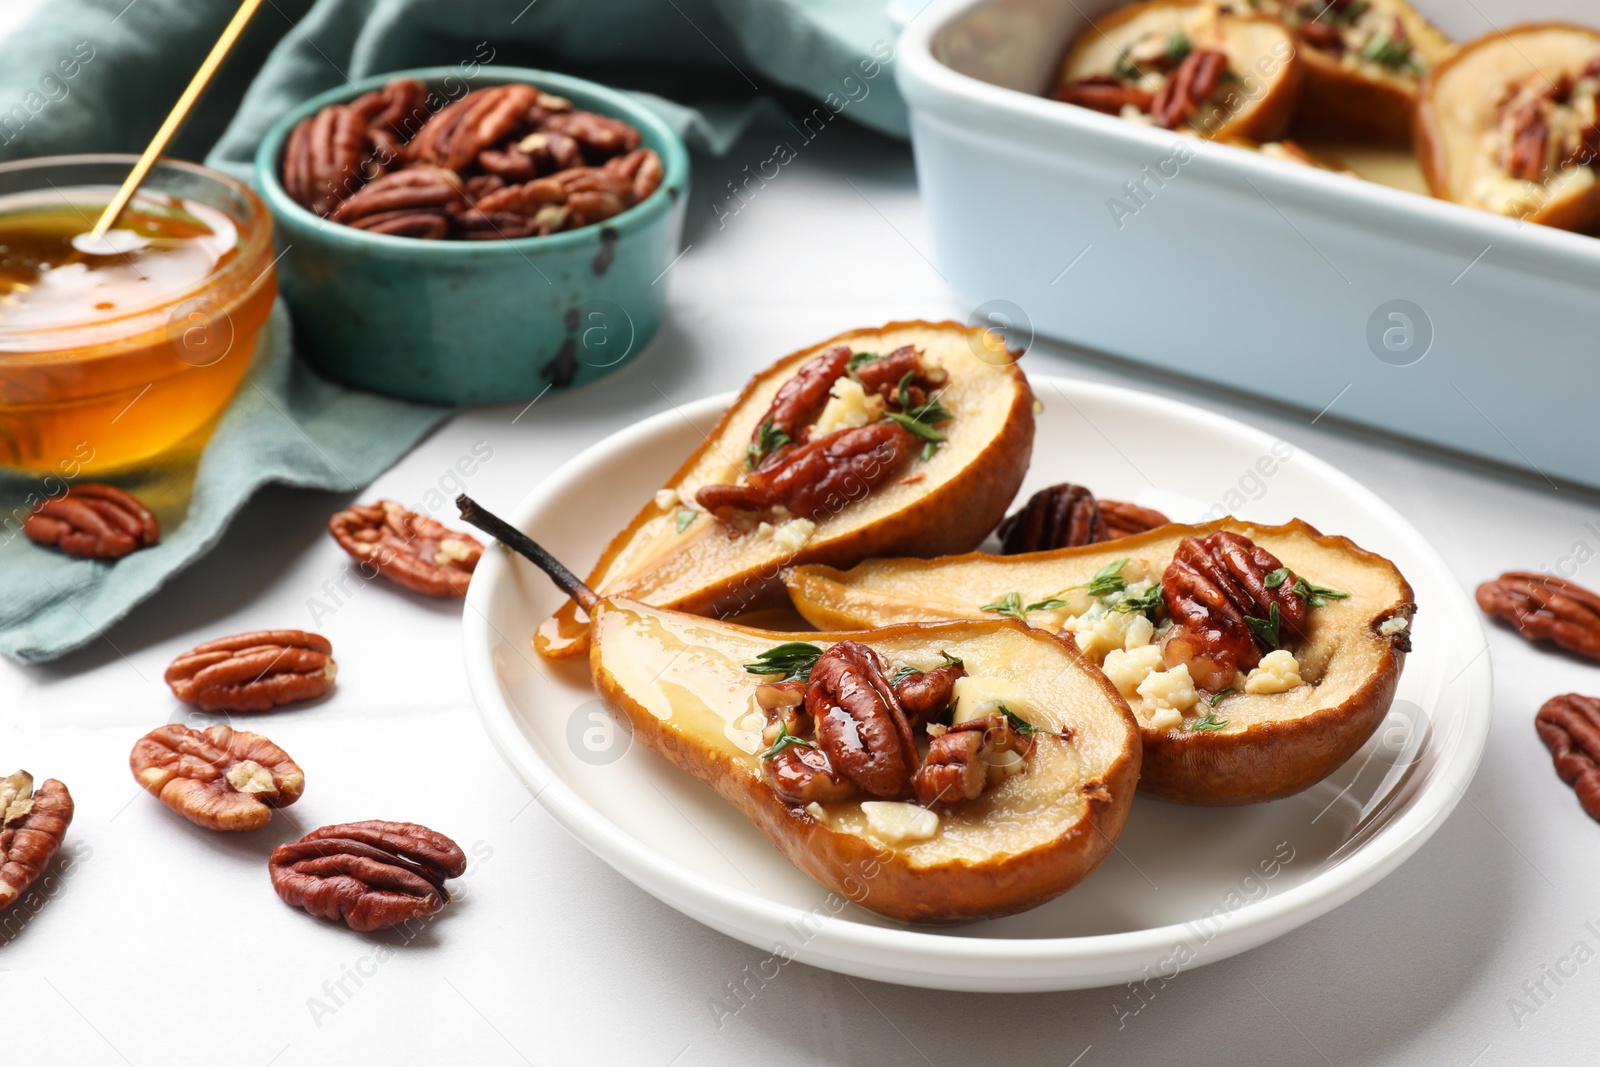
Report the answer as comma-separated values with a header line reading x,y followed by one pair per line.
x,y
324,157
33,823
255,671
416,202
368,875
411,550
219,778
93,521
1569,726
1543,607
860,723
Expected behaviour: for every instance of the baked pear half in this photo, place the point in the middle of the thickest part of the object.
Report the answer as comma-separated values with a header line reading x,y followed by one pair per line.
x,y
1257,659
1364,61
1509,124
1197,67
910,439
931,772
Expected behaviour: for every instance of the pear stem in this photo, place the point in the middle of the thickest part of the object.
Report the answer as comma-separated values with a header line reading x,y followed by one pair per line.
x,y
519,542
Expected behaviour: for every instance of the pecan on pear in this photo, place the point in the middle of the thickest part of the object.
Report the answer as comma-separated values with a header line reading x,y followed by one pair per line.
x,y
1191,85
796,405
255,671
1528,148
33,823
411,550
368,875
1106,93
819,478
415,202
219,778
860,724
1213,588
1569,726
1321,36
482,119
93,521
1543,607
926,694
953,771
798,771
324,158
885,374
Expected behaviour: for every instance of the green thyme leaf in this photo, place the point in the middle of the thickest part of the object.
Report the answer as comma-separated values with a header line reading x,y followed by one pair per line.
x,y
902,673
927,433
1218,698
1276,578
1146,603
792,659
1108,579
1317,595
768,441
1010,604
1390,53
785,739
685,517
1178,48
859,360
928,449
1047,604
1210,722
1024,727
951,661
1125,69
1268,630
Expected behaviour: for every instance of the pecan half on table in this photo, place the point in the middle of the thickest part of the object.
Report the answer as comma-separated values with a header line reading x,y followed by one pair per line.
x,y
1543,607
32,826
255,671
409,549
1569,726
93,521
1069,516
219,778
368,875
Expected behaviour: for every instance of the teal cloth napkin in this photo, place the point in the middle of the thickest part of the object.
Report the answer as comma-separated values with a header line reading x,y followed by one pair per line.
x,y
285,425
99,75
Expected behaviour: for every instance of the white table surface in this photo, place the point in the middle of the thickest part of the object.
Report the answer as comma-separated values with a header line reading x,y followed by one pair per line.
x,y
165,944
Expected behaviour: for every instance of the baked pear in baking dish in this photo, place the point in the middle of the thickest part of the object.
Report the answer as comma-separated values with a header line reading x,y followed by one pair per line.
x,y
933,773
1509,124
905,440
1256,658
1363,62
1198,67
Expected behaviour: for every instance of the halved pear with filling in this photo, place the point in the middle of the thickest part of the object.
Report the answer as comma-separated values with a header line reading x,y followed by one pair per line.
x,y
1510,124
1285,725
682,683
1199,67
1364,60
963,467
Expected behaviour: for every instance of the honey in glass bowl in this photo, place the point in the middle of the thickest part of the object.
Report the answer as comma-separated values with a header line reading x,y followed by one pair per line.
x,y
113,351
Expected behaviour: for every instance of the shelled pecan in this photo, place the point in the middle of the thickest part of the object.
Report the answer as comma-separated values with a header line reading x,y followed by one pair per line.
x,y
33,823
860,723
1569,726
926,694
1543,607
1213,588
219,778
1069,516
254,671
368,875
1191,85
386,164
409,549
797,403
93,521
820,477
1124,519
953,770
1105,92
324,158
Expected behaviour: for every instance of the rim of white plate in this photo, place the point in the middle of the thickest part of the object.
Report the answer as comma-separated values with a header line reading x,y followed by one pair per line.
x,y
677,884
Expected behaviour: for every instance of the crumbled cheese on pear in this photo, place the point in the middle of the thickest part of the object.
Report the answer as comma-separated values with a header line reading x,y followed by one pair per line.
x,y
1128,669
1169,689
1398,624
898,822
794,535
848,407
666,498
1279,672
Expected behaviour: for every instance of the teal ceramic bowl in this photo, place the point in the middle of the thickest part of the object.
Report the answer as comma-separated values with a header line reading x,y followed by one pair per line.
x,y
471,322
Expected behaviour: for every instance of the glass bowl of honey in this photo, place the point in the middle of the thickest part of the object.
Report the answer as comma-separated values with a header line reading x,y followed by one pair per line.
x,y
115,350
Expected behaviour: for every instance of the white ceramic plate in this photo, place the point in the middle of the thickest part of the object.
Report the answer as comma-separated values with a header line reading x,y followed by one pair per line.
x,y
1185,886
